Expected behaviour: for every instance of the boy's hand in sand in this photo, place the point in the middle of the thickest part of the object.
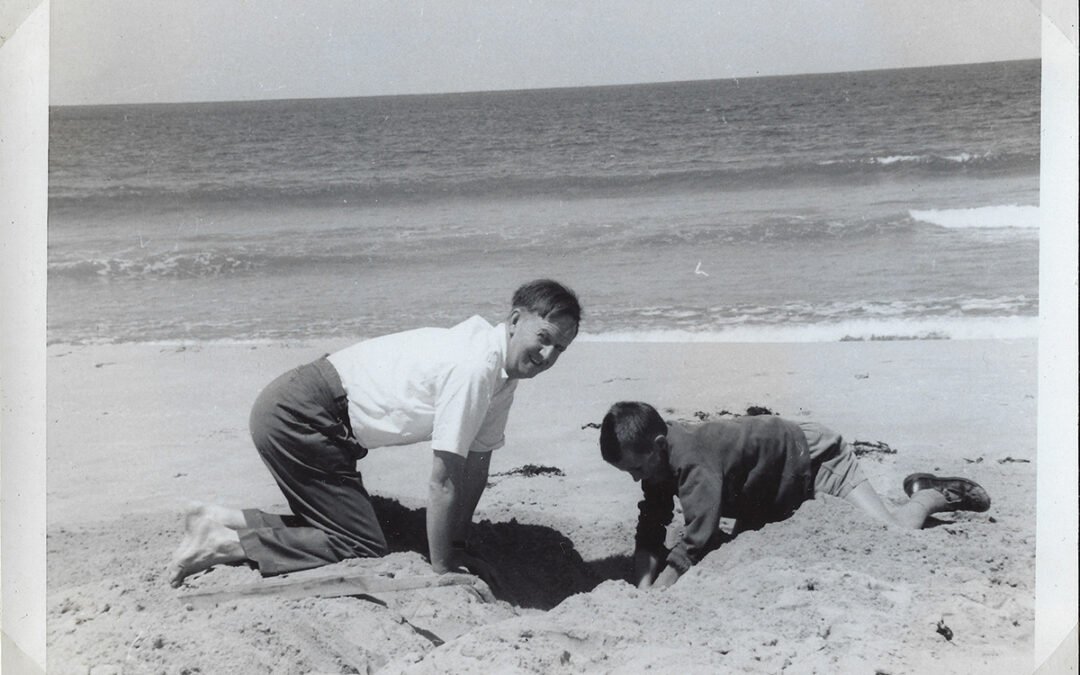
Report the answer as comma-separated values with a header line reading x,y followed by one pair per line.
x,y
646,566
666,578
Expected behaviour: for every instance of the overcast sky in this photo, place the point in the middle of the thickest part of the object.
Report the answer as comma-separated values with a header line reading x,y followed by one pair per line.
x,y
123,51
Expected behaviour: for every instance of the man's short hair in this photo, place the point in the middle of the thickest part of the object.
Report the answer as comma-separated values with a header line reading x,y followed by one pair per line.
x,y
629,426
548,299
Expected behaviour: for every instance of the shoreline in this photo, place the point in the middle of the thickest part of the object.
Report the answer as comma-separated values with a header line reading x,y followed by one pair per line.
x,y
1015,328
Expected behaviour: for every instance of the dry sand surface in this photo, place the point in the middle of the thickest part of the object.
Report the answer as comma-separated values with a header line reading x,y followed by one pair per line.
x,y
135,430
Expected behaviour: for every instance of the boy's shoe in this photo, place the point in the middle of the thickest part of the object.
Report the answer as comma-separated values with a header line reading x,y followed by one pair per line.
x,y
960,494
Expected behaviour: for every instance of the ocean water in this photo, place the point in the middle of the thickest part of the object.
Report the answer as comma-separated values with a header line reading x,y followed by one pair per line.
x,y
886,204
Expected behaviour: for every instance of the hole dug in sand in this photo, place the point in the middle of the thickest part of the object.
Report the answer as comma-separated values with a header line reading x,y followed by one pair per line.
x,y
366,632
538,565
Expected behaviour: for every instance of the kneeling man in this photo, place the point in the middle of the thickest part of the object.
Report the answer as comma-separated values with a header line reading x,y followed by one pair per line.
x,y
452,386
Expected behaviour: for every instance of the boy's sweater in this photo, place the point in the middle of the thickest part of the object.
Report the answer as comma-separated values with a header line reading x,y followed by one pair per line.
x,y
754,469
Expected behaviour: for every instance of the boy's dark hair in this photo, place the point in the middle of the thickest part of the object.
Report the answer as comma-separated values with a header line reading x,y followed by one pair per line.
x,y
631,426
548,299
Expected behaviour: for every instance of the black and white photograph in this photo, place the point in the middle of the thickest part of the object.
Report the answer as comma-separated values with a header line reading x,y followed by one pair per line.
x,y
550,337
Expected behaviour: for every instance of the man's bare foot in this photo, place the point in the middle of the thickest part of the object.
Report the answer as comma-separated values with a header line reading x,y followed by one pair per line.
x,y
222,515
206,543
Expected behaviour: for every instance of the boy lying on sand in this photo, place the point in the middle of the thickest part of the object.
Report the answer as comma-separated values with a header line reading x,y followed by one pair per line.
x,y
755,469
451,386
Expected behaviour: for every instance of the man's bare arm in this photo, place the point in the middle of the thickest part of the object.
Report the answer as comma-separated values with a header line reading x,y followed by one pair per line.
x,y
449,497
445,497
472,488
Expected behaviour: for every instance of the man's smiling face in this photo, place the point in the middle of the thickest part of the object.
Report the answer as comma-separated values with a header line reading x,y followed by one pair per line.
x,y
536,342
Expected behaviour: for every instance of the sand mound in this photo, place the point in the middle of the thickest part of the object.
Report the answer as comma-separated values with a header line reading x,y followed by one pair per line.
x,y
822,592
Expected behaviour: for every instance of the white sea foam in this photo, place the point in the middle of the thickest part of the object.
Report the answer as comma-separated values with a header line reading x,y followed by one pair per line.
x,y
894,159
887,160
988,328
1008,215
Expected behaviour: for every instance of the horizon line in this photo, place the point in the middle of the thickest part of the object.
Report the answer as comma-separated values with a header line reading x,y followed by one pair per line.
x,y
535,89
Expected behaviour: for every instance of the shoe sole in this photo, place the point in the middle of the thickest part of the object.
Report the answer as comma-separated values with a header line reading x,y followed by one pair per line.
x,y
933,482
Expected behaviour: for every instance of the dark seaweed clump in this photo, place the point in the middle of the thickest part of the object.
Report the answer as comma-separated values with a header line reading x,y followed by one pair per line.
x,y
530,470
872,447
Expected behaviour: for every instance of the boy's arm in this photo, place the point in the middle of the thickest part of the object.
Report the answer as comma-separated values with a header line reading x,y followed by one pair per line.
x,y
647,564
667,577
701,497
655,512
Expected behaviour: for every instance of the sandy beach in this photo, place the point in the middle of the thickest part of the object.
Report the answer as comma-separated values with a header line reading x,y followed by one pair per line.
x,y
137,429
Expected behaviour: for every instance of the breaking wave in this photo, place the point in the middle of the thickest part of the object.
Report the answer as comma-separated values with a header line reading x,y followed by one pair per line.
x,y
952,328
1004,216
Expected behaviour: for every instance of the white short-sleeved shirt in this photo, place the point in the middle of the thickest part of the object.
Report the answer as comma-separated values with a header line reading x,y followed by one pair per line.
x,y
448,385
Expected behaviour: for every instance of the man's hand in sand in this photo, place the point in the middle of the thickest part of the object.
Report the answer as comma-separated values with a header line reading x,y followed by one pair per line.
x,y
474,564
